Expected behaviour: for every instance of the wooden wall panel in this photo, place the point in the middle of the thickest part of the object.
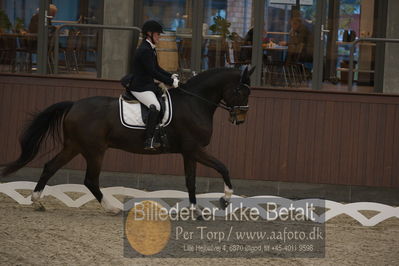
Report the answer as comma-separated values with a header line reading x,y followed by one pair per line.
x,y
289,135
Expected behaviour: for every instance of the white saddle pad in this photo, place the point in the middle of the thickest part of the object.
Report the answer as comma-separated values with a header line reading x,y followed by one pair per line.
x,y
130,113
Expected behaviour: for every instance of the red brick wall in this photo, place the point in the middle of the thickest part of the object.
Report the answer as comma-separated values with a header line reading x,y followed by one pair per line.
x,y
239,13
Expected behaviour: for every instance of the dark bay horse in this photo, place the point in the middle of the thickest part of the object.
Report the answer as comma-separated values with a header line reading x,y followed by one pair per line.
x,y
90,126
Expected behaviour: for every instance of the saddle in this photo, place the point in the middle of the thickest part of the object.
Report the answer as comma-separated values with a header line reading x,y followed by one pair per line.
x,y
134,114
130,99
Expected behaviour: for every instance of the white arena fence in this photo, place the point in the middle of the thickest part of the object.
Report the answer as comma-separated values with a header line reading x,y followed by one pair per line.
x,y
332,208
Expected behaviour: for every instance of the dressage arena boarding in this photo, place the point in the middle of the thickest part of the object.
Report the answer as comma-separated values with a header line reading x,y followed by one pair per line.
x,y
75,230
79,232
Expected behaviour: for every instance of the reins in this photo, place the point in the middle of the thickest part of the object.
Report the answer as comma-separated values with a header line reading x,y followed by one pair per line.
x,y
221,104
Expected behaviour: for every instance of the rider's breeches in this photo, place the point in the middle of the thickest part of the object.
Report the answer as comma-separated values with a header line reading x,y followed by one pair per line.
x,y
148,98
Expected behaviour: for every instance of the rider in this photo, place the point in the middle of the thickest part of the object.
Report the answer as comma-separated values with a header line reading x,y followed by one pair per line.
x,y
145,70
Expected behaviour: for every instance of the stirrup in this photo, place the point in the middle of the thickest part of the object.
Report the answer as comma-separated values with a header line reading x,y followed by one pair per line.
x,y
151,144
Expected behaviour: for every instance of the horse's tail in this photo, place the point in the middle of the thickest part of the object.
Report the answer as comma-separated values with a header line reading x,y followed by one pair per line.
x,y
44,124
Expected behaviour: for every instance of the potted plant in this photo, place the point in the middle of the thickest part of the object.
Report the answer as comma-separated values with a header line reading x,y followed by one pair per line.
x,y
19,26
220,26
5,24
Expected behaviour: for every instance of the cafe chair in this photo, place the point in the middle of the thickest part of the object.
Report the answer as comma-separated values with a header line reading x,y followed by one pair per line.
x,y
289,72
296,69
184,57
8,54
275,72
26,48
212,55
87,46
71,49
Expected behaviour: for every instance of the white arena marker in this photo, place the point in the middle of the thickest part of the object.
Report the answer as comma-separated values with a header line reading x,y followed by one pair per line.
x,y
334,208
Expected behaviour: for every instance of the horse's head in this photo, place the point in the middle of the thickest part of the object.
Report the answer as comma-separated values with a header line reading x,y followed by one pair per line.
x,y
236,97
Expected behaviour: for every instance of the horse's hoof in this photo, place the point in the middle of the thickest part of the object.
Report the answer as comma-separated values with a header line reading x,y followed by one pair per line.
x,y
223,203
109,208
38,206
35,197
113,212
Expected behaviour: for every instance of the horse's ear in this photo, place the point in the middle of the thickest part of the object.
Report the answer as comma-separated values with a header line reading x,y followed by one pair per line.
x,y
244,74
251,71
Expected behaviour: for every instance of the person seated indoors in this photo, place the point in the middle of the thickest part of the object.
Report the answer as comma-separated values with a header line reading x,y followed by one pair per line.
x,y
300,42
34,21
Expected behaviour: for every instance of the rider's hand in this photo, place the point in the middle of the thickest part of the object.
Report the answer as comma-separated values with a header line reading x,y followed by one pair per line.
x,y
175,76
175,83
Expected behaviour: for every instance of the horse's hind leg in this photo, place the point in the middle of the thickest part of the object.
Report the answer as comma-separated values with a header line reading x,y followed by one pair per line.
x,y
50,168
94,162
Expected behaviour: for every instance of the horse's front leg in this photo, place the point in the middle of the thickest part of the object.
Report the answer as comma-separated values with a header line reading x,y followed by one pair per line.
x,y
190,169
204,158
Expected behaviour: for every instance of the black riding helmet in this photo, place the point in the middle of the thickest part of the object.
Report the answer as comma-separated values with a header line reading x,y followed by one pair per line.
x,y
151,26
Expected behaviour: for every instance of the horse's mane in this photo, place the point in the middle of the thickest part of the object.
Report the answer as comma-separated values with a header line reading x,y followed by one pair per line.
x,y
203,76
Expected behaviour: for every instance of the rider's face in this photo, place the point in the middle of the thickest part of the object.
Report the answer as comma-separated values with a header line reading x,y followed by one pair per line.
x,y
155,36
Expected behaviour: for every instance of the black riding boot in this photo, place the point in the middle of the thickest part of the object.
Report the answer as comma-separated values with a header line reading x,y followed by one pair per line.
x,y
150,142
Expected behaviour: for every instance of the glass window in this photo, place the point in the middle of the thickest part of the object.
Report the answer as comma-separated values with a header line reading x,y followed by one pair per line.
x,y
174,49
19,26
172,14
18,44
78,48
67,10
288,44
348,21
227,29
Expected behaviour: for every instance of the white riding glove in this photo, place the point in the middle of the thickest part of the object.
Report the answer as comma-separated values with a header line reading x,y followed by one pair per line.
x,y
175,83
175,76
